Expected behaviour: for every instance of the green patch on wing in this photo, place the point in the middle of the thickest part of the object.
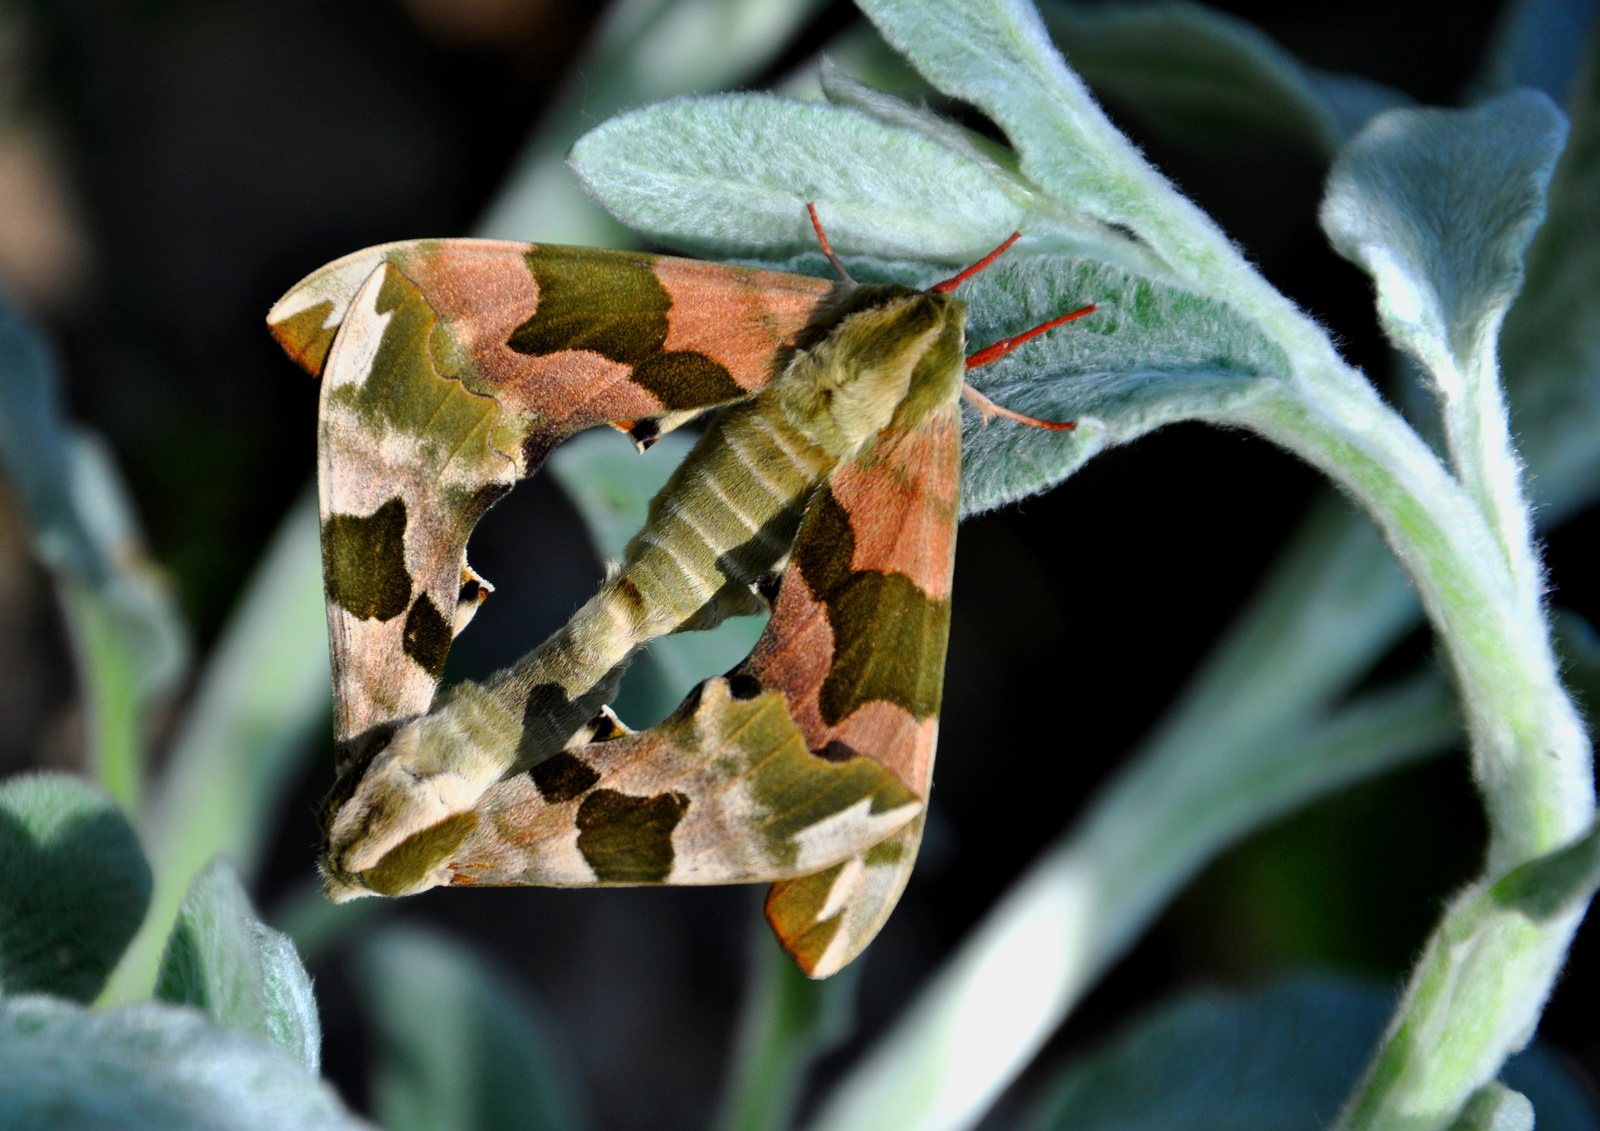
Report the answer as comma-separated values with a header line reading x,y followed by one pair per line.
x,y
364,562
405,865
889,635
306,335
405,393
792,908
627,839
611,303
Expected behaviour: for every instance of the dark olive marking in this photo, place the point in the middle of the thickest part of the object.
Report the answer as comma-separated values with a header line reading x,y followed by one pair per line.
x,y
837,751
608,302
427,636
686,379
563,777
628,592
743,686
889,635
769,585
626,839
364,562
612,303
549,718
885,852
404,865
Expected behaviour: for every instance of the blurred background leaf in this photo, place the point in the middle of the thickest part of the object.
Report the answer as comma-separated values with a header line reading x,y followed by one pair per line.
x,y
1281,1058
130,644
73,886
461,1046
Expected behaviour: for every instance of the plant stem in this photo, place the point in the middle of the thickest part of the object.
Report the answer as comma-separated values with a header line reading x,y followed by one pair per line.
x,y
1476,995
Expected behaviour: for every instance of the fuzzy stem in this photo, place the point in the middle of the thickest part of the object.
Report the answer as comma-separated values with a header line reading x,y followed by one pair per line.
x,y
1476,995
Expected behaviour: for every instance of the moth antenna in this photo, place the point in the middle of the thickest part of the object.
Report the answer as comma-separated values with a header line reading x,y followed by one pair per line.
x,y
955,281
988,408
827,248
1006,345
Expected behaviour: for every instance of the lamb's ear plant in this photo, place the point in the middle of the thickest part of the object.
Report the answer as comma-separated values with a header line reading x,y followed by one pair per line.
x,y
232,1041
1438,206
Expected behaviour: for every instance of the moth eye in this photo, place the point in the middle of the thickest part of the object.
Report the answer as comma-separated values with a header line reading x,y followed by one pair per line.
x,y
768,584
469,591
742,686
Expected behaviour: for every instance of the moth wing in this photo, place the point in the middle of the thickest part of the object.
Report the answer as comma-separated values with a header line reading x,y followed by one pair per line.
x,y
570,337
807,764
451,369
856,646
723,791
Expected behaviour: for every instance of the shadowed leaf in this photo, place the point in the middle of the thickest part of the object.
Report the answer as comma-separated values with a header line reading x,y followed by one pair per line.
x,y
73,887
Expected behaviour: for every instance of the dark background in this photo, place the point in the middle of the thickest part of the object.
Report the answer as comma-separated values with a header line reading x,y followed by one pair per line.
x,y
195,157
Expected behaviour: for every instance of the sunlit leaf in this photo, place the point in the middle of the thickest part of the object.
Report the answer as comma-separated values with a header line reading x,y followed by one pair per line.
x,y
224,961
151,1068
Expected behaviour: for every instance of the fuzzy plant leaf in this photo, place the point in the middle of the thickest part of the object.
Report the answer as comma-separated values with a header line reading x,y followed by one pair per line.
x,y
151,1068
1279,1059
130,643
1151,354
1438,206
73,887
1495,1107
612,485
732,174
225,962
460,1045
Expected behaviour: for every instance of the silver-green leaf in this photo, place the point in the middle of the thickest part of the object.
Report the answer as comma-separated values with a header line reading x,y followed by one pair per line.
x,y
150,1068
223,960
732,174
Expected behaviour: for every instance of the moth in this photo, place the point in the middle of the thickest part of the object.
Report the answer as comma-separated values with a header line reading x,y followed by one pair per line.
x,y
825,489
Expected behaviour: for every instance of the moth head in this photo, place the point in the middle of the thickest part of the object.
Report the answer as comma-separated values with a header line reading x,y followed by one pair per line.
x,y
873,353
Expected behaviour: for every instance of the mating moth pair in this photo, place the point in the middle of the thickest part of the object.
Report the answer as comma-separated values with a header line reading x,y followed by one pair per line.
x,y
825,489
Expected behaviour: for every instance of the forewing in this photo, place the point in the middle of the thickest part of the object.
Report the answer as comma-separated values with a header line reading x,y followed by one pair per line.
x,y
856,646
724,791
452,368
570,337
